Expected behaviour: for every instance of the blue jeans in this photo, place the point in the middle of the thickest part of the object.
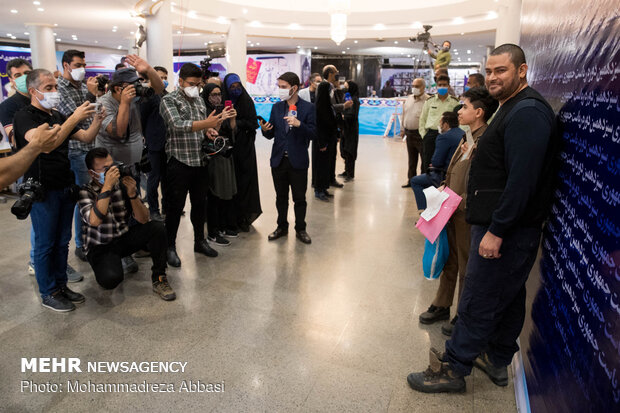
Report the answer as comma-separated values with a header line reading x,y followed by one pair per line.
x,y
78,166
51,221
421,182
157,175
492,305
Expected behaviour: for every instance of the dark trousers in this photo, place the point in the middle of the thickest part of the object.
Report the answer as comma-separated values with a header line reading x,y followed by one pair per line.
x,y
492,306
181,180
321,169
428,148
332,153
106,259
414,150
284,175
220,214
157,175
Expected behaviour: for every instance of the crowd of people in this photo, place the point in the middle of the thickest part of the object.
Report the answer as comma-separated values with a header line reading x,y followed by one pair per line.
x,y
87,144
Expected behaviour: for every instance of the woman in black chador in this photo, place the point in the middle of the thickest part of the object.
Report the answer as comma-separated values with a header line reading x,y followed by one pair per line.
x,y
350,137
247,199
326,135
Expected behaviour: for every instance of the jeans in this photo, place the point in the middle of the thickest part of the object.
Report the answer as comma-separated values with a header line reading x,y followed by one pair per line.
x,y
420,182
51,221
157,175
78,166
284,175
492,306
106,259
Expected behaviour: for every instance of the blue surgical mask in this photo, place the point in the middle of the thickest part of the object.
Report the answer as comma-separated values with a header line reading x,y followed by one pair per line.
x,y
467,88
20,83
442,91
100,177
235,93
165,84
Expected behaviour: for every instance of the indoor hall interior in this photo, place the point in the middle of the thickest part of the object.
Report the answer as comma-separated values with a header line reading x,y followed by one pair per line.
x,y
327,327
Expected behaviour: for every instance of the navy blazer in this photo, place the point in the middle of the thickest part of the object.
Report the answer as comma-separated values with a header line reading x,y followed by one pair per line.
x,y
296,140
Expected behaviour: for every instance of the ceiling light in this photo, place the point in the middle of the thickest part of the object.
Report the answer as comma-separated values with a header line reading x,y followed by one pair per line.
x,y
416,25
13,37
55,24
9,34
255,23
456,53
492,15
458,20
96,41
222,20
379,26
257,44
299,47
119,47
178,31
132,32
206,43
27,33
408,55
468,51
192,14
210,41
316,48
338,12
40,9
348,48
294,26
249,41
114,30
245,11
395,41
54,34
469,59
343,52
13,11
36,3
58,39
462,33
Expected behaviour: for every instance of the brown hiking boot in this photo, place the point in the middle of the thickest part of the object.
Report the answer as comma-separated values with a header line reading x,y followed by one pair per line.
x,y
437,378
498,375
163,289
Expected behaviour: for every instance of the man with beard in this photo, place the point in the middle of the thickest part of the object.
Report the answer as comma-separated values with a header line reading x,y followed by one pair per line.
x,y
508,196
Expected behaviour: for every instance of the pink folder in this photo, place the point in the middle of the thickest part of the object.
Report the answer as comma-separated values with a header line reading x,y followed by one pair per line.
x,y
431,229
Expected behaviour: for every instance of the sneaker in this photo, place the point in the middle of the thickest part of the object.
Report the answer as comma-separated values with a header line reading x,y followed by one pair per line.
x,y
163,289
321,196
218,240
130,266
31,270
434,314
498,375
229,233
336,184
57,302
72,295
72,275
81,254
447,328
437,378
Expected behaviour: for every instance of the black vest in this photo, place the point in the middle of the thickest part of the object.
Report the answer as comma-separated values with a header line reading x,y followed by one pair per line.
x,y
488,175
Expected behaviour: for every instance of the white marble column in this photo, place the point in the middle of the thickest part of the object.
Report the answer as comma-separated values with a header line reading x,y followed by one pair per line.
x,y
159,37
42,46
236,48
508,22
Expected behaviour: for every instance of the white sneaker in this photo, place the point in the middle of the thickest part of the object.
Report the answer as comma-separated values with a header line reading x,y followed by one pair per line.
x,y
31,269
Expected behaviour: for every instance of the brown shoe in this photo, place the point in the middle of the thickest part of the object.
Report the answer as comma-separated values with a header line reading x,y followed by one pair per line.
x,y
437,378
278,233
163,289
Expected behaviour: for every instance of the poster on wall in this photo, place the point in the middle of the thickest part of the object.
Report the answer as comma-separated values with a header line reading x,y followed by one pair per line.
x,y
571,344
272,66
8,53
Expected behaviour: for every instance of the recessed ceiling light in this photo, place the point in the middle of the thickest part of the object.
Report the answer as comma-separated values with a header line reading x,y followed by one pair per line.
x,y
395,41
210,41
458,20
416,25
462,33
298,46
408,55
245,11
255,23
348,48
132,32
379,26
257,44
249,41
469,59
58,39
206,43
114,30
13,11
54,34
36,3
40,9
178,31
119,47
9,34
468,51
343,52
96,41
492,15
315,48
192,14
55,24
222,20
27,33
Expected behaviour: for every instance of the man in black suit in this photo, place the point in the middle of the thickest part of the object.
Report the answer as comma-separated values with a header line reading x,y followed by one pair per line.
x,y
292,126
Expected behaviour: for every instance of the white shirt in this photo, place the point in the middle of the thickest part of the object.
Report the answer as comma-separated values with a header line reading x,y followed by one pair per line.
x,y
412,109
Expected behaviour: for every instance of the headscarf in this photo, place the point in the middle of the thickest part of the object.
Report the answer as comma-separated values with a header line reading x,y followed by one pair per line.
x,y
354,90
244,105
206,92
229,81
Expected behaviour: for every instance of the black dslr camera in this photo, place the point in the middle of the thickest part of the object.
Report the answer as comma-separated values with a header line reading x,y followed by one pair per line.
x,y
218,146
205,65
102,82
142,91
144,165
29,192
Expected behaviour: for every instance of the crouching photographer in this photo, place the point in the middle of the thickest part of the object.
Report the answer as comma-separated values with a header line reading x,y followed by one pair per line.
x,y
106,204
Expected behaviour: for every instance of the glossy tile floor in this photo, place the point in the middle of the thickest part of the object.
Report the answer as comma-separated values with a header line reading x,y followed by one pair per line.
x,y
329,327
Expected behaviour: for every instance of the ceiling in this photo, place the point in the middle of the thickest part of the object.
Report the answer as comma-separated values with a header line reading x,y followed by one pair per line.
x,y
271,25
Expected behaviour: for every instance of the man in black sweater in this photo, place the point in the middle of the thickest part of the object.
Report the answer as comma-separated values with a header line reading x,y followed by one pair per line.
x,y
508,197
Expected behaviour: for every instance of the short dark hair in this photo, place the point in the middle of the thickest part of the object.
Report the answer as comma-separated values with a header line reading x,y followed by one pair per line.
x,y
67,57
517,56
478,77
33,79
190,70
442,78
328,70
160,69
290,78
15,63
119,66
451,118
480,98
312,76
95,153
447,41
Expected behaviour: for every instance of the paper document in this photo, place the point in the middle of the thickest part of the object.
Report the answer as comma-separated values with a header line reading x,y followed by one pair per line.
x,y
434,200
470,144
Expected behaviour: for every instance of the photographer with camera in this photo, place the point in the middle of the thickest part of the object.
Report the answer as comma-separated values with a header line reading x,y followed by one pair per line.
x,y
188,124
73,93
105,205
51,181
443,57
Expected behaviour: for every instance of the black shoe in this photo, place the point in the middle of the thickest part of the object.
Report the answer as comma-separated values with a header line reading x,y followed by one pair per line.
x,y
434,314
57,302
304,237
130,266
203,247
437,378
328,194
229,233
278,233
156,216
219,240
348,179
321,196
446,329
336,184
81,254
407,185
72,295
342,175
243,227
142,254
498,375
173,258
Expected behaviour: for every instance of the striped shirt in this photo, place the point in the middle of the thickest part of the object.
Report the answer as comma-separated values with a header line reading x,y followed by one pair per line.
x,y
115,222
179,113
70,98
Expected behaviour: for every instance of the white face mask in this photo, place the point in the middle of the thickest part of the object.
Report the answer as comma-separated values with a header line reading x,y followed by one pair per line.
x,y
284,94
191,91
78,74
50,99
416,91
